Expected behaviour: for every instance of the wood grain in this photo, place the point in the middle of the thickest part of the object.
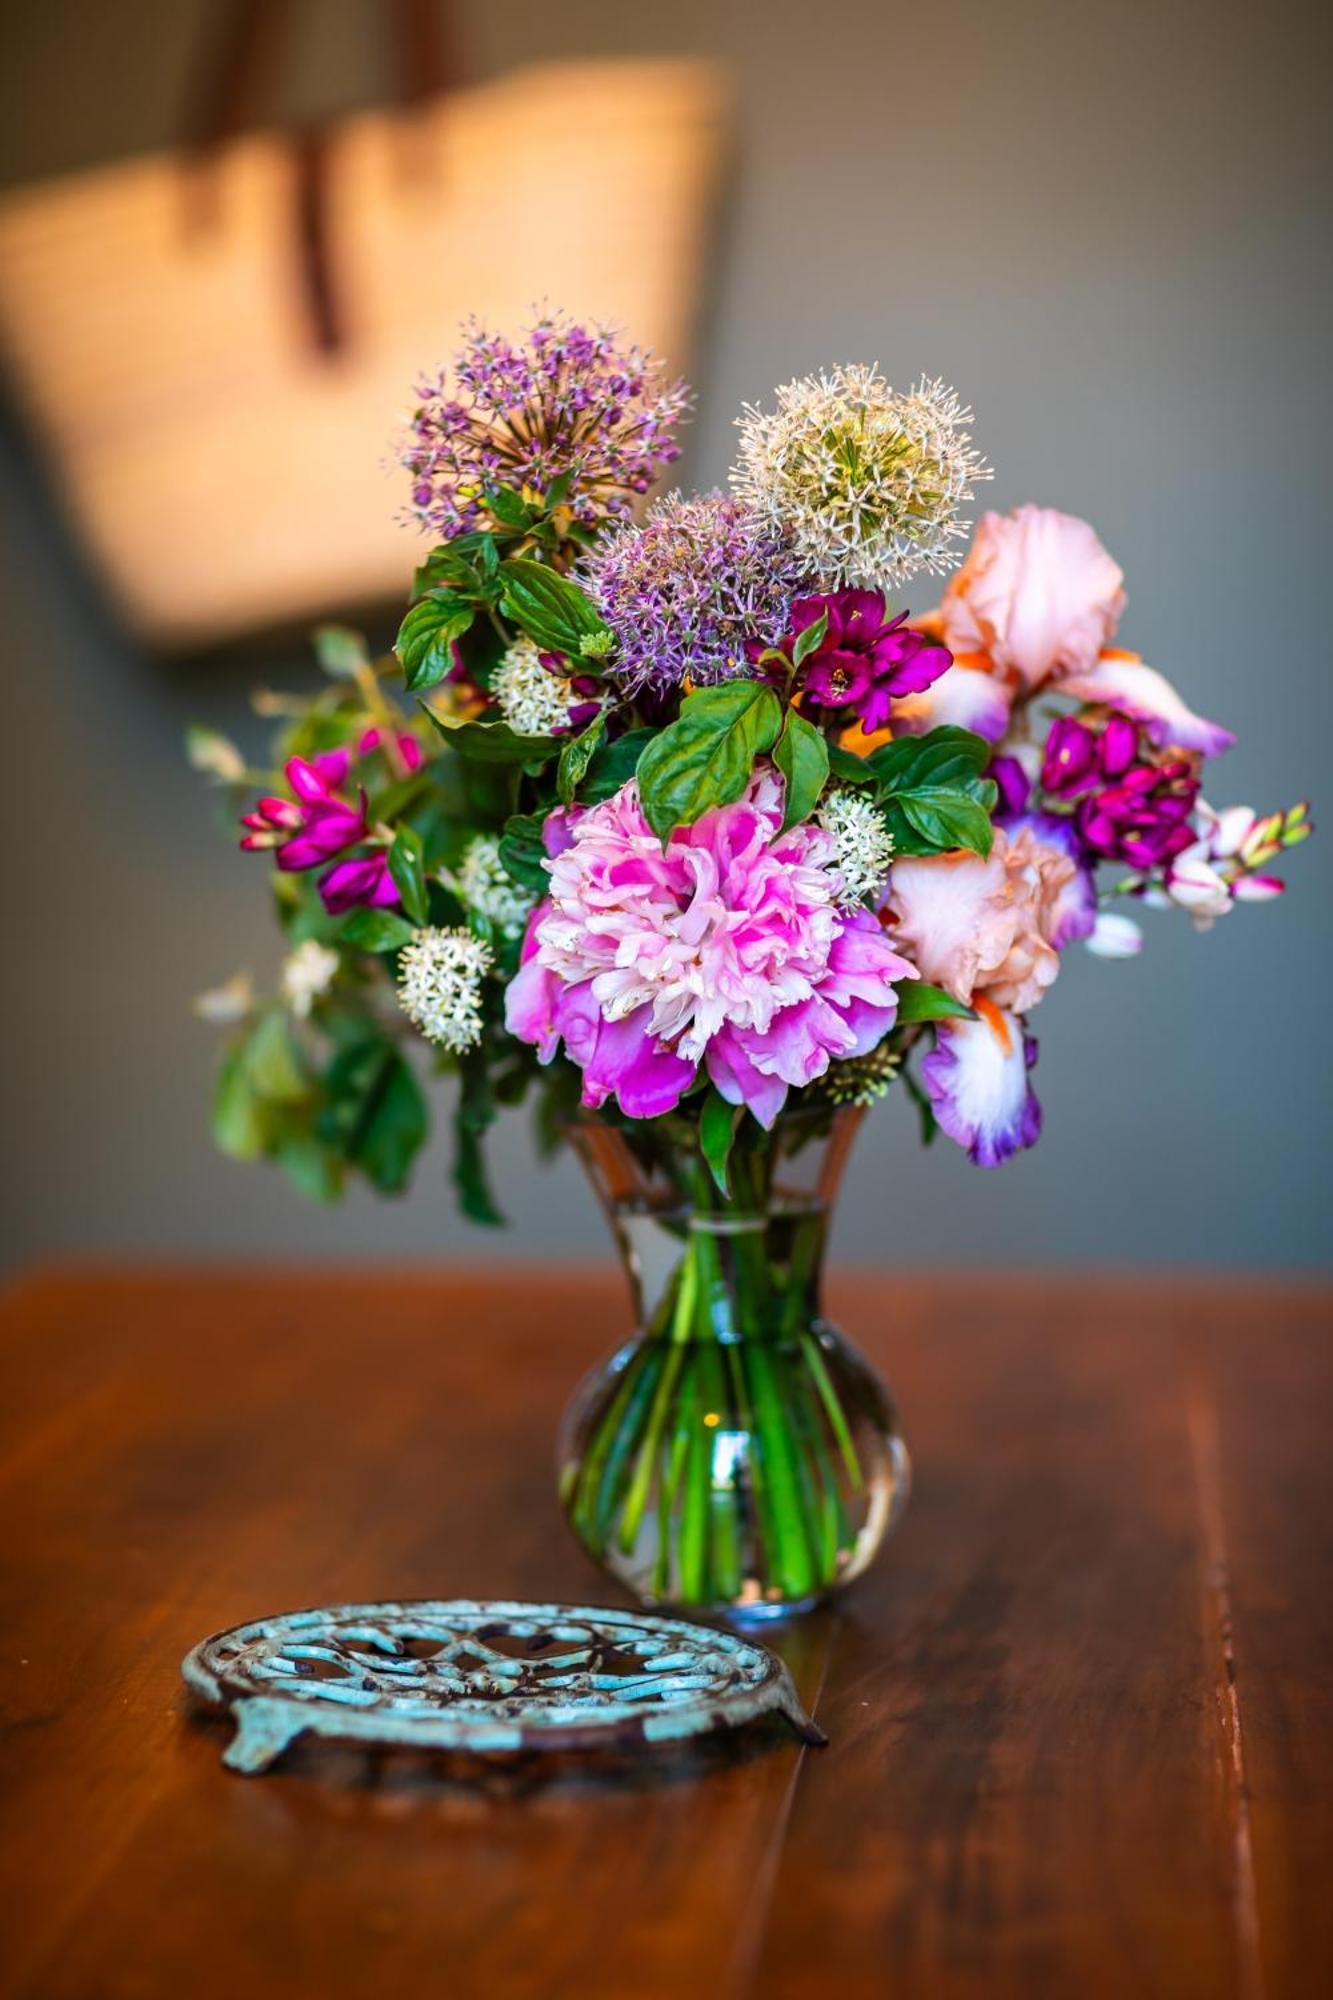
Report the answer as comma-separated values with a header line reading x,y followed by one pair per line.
x,y
1081,1714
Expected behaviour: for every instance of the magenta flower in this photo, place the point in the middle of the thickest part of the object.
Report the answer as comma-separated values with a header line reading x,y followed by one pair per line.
x,y
728,949
314,826
1133,804
359,883
865,660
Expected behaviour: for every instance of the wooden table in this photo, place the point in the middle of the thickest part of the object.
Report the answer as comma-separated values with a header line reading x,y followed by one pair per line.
x,y
1081,1714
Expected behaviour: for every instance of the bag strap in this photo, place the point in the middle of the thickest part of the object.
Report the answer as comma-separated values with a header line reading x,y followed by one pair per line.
x,y
235,75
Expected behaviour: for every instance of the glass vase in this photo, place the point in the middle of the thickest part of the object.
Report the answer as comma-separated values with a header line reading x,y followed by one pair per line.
x,y
737,1454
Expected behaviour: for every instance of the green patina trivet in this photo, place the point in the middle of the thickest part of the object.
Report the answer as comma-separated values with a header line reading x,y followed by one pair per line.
x,y
483,1677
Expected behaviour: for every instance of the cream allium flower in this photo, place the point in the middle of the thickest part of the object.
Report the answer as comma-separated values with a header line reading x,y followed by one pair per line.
x,y
306,974
439,986
864,844
866,480
485,885
536,702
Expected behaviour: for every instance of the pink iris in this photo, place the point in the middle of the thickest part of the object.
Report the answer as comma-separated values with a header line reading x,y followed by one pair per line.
x,y
727,950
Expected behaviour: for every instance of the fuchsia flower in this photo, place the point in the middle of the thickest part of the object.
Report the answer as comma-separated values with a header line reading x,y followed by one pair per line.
x,y
1133,804
727,949
318,824
865,660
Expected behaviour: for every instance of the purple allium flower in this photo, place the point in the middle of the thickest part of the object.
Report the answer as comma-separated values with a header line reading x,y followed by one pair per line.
x,y
866,659
690,592
567,399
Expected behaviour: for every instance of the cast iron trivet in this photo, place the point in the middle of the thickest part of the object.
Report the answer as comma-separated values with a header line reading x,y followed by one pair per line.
x,y
465,1676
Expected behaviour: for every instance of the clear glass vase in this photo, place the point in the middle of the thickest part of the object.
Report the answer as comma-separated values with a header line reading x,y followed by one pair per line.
x,y
737,1455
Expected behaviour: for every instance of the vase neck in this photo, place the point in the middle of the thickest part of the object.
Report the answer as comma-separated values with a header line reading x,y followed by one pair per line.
x,y
744,1265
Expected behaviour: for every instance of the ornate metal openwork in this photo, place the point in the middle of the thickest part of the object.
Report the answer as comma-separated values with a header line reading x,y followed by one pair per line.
x,y
483,1677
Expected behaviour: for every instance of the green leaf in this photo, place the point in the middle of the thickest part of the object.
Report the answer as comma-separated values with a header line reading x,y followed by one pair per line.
x,y
576,756
918,1000
704,758
946,756
948,819
849,769
510,509
614,764
801,754
456,563
552,609
522,851
494,742
473,1113
426,636
341,652
376,1115
313,1169
810,640
931,791
926,1110
717,1131
273,1061
377,930
407,867
238,1115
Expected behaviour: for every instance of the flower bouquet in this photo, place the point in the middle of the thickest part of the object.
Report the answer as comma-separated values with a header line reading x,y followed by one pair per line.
x,y
680,823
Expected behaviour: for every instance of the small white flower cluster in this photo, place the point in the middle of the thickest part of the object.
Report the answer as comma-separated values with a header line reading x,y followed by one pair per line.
x,y
863,843
484,884
865,480
536,702
306,975
439,986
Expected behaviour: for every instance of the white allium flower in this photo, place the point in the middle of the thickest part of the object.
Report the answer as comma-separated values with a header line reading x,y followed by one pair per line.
x,y
439,986
535,701
864,844
866,480
485,885
306,975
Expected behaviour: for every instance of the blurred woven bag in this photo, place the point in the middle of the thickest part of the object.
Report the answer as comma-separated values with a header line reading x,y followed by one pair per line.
x,y
216,351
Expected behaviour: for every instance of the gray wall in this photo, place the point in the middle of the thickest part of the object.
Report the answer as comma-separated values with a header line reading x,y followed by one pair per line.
x,y
1106,224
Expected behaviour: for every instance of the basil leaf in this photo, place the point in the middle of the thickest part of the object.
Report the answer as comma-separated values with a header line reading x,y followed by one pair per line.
x,y
801,754
425,642
946,756
341,652
552,609
474,1110
704,758
407,867
375,1114
918,1000
849,769
377,930
614,764
948,819
575,758
494,742
523,852
810,640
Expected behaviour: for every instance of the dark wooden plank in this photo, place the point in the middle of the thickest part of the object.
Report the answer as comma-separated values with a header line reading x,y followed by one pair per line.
x,y
1264,1411
252,1447
1029,1793
1031,1787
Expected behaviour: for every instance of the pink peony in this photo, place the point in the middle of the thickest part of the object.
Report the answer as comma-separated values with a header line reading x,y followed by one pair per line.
x,y
726,949
1038,595
992,927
